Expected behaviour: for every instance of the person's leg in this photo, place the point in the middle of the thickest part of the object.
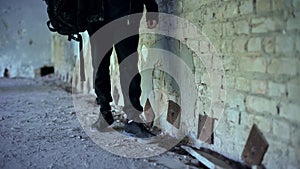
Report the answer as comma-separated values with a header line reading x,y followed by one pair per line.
x,y
131,86
130,78
102,83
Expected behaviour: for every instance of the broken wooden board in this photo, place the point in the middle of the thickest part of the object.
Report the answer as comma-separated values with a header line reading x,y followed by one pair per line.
x,y
174,114
205,129
149,114
255,148
207,159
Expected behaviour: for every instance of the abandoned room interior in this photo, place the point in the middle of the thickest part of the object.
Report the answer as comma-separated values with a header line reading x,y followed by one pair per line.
x,y
220,87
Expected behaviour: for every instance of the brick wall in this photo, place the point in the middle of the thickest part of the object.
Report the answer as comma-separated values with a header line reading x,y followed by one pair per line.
x,y
258,42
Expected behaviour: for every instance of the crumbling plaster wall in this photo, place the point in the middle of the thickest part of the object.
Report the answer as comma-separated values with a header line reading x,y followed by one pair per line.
x,y
25,38
64,56
258,42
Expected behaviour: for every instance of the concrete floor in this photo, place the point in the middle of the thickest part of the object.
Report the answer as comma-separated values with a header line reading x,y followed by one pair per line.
x,y
39,129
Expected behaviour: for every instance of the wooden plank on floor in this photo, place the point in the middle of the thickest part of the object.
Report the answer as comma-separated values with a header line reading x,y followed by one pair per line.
x,y
207,159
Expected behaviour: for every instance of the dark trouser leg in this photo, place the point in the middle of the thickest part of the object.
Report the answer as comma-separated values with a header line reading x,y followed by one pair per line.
x,y
102,83
129,75
101,68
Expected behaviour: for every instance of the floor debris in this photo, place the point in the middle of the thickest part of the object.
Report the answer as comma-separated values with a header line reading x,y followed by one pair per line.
x,y
213,160
47,133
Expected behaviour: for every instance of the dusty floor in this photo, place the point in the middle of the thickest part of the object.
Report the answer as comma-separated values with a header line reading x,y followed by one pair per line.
x,y
39,129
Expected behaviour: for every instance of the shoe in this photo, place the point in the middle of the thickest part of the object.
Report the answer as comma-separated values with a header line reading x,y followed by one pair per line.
x,y
104,120
138,130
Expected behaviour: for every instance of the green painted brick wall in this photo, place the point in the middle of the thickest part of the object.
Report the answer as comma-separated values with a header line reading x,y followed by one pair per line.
x,y
258,43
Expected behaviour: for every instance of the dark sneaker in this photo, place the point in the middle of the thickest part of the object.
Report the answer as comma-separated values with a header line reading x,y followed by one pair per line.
x,y
138,130
104,120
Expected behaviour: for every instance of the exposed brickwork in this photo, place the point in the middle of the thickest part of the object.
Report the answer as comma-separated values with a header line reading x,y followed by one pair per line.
x,y
260,45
